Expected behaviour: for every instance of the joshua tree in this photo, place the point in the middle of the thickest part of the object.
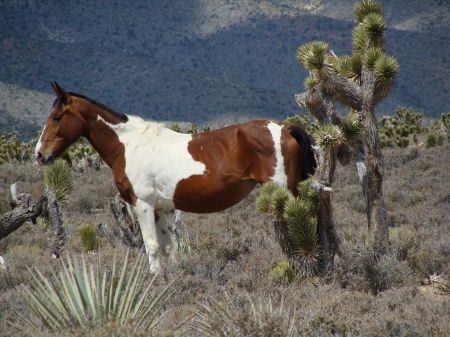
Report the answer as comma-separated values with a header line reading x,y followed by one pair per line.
x,y
359,82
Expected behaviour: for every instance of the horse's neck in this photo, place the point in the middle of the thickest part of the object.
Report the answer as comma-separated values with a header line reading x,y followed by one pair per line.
x,y
101,133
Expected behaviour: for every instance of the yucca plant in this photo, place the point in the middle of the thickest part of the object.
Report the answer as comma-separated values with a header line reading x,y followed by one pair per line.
x,y
339,79
83,297
58,178
261,317
297,215
88,237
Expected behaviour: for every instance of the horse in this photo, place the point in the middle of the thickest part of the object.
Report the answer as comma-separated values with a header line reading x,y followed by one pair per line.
x,y
156,168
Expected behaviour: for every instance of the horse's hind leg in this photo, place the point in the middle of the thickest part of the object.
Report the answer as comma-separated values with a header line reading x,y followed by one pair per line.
x,y
163,233
146,216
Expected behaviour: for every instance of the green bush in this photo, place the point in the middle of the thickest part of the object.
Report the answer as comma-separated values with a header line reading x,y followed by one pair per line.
x,y
284,271
398,129
431,140
11,149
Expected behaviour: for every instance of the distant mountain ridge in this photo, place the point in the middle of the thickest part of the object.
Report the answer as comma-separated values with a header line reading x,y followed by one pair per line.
x,y
204,61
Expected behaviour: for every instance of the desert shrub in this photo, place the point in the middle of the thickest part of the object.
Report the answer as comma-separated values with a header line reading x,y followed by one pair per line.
x,y
362,270
257,316
431,140
11,149
85,204
77,151
283,272
398,129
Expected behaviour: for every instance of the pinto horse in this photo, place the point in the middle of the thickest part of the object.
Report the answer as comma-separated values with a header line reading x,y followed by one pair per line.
x,y
156,168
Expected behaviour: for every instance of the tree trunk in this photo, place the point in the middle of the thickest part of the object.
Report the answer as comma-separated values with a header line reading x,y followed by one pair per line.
x,y
57,225
376,210
328,238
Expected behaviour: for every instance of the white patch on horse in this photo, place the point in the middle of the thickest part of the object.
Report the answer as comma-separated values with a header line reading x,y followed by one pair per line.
x,y
280,176
156,160
39,142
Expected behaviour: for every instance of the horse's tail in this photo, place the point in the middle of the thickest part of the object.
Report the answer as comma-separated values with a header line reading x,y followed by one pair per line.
x,y
309,164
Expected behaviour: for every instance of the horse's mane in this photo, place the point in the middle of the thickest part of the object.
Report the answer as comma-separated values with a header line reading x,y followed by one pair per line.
x,y
101,105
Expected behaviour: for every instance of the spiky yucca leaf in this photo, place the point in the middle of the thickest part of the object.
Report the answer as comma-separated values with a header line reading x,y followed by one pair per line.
x,y
352,128
313,55
88,237
308,195
279,198
269,187
58,179
299,120
343,66
295,211
374,26
385,68
359,40
80,297
364,8
328,137
371,57
303,232
285,271
311,83
356,68
263,202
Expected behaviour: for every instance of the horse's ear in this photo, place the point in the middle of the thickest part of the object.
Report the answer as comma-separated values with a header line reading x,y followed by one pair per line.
x,y
61,93
55,89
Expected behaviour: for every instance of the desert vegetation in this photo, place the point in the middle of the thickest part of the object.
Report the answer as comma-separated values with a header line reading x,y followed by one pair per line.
x,y
230,274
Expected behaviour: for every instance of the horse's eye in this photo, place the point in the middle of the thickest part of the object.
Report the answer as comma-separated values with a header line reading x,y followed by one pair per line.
x,y
57,118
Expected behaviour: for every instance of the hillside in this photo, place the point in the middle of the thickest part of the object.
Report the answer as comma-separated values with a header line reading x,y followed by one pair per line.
x,y
216,62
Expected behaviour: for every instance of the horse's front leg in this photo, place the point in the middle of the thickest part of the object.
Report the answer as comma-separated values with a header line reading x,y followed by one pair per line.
x,y
163,234
146,216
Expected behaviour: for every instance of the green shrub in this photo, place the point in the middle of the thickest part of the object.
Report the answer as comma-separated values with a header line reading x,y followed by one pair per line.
x,y
284,271
430,141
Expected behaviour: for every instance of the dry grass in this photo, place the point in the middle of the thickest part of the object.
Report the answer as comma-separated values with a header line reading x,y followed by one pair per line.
x,y
232,253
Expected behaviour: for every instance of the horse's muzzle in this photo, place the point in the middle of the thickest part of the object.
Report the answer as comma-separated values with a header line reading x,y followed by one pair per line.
x,y
42,160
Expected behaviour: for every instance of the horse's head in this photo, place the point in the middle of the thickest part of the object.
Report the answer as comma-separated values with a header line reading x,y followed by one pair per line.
x,y
64,126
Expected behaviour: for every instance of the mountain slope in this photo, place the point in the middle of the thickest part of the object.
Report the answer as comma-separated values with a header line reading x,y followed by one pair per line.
x,y
214,62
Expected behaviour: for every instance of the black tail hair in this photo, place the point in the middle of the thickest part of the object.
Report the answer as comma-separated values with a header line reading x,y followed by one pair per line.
x,y
309,164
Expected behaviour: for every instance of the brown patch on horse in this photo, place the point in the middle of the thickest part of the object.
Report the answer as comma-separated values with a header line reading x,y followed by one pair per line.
x,y
236,159
105,141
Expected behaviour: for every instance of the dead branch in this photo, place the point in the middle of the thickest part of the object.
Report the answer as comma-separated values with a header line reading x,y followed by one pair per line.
x,y
104,230
24,211
130,232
